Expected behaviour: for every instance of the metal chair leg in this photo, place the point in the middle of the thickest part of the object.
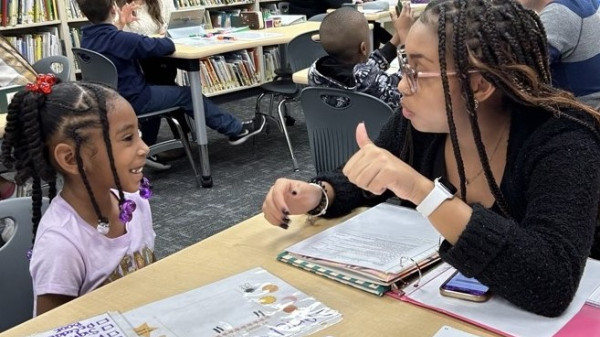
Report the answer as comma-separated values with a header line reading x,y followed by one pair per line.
x,y
281,111
186,147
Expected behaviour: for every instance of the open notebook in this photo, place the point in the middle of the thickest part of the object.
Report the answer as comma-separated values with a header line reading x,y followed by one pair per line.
x,y
186,23
371,251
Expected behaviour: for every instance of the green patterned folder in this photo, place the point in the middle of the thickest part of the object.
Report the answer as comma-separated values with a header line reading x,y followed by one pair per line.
x,y
373,288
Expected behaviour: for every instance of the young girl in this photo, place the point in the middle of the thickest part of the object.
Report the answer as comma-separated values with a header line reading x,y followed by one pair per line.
x,y
99,227
479,113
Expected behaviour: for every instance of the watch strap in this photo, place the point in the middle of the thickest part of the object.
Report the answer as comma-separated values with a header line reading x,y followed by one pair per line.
x,y
435,198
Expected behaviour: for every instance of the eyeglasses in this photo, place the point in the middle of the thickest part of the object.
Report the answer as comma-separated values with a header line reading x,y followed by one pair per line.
x,y
412,75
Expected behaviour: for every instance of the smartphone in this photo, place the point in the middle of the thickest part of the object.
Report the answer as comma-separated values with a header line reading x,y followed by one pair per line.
x,y
465,288
399,7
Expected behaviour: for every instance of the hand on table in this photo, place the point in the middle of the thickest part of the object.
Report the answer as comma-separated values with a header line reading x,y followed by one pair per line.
x,y
288,197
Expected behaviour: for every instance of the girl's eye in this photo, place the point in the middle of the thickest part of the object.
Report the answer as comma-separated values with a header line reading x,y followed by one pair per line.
x,y
128,138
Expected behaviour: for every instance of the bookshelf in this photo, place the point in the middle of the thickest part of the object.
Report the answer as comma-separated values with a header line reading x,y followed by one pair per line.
x,y
41,28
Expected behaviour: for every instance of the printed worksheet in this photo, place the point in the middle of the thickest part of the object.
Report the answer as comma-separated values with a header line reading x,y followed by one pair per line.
x,y
110,324
253,303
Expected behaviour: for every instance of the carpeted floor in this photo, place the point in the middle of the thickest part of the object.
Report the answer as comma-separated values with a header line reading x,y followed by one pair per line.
x,y
184,214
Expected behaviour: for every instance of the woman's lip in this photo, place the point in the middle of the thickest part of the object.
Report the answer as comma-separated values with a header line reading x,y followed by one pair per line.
x,y
407,112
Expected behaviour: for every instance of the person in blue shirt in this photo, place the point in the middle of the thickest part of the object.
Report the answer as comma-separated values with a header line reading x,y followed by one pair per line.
x,y
125,49
572,28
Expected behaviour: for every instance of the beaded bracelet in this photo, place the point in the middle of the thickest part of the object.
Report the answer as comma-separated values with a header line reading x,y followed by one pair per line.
x,y
324,203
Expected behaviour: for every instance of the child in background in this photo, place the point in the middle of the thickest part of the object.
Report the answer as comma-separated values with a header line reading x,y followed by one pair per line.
x,y
345,35
98,228
125,49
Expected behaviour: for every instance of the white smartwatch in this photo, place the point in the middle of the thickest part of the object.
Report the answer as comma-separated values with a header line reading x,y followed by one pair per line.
x,y
442,191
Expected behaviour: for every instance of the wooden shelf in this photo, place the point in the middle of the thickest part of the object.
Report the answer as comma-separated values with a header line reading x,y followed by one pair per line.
x,y
207,94
77,20
31,25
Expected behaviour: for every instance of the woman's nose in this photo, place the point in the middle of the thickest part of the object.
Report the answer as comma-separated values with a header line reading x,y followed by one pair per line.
x,y
404,87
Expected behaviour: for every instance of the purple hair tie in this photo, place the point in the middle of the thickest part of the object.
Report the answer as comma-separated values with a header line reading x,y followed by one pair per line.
x,y
128,206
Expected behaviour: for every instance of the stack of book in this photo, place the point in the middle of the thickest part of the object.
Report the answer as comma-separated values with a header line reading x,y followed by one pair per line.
x,y
34,47
272,61
375,251
17,12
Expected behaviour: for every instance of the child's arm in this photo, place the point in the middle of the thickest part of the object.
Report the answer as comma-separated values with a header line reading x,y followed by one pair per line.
x,y
50,301
402,22
371,80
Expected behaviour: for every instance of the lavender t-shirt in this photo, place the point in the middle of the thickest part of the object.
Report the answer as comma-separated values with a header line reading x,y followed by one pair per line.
x,y
71,258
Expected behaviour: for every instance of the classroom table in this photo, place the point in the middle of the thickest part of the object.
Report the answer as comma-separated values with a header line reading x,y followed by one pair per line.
x,y
252,243
187,57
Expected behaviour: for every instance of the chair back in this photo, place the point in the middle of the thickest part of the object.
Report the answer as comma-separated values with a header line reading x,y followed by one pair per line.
x,y
332,130
318,17
58,65
16,287
302,51
96,67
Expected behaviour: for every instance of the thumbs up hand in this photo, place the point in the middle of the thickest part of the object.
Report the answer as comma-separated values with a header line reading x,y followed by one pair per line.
x,y
376,170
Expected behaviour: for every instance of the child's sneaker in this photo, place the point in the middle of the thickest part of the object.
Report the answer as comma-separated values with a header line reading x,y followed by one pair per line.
x,y
249,129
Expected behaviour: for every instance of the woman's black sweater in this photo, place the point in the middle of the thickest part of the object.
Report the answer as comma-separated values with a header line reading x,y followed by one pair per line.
x,y
551,184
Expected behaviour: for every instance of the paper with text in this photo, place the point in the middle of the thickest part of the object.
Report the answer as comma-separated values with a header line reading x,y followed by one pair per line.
x,y
253,303
110,324
386,237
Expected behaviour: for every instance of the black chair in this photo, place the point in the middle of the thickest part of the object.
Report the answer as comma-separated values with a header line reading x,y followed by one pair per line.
x,y
58,65
16,286
302,51
318,17
332,130
98,68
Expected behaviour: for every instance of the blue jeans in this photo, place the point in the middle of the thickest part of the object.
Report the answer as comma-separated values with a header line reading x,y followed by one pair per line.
x,y
167,96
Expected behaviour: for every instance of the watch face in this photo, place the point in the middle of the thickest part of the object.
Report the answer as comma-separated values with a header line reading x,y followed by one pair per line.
x,y
449,187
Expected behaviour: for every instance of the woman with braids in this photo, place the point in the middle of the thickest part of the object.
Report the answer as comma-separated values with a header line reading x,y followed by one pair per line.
x,y
479,113
100,221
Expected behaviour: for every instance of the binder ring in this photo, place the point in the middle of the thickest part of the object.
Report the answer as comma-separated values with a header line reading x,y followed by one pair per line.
x,y
416,266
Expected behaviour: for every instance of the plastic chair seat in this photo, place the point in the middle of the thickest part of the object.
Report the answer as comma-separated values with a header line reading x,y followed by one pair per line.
x,y
282,87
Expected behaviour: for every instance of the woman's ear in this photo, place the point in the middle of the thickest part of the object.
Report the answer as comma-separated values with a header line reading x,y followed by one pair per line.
x,y
64,155
482,89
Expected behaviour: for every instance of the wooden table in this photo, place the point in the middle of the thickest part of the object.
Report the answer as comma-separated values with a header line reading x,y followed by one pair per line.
x,y
187,57
247,245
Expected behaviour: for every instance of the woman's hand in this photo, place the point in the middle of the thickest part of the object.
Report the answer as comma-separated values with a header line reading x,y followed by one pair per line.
x,y
287,197
376,170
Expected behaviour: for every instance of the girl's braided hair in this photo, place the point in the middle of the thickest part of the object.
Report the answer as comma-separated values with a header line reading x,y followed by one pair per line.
x,y
34,119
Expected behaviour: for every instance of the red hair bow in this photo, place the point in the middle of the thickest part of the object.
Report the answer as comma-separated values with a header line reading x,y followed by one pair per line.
x,y
43,84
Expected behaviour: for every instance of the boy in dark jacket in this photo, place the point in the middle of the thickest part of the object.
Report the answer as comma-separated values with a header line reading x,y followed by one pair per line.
x,y
344,35
125,50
